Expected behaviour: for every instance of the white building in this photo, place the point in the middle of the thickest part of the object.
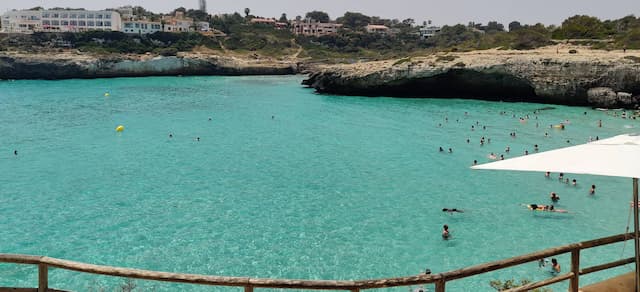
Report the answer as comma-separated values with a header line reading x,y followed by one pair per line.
x,y
178,23
429,31
28,21
141,27
25,21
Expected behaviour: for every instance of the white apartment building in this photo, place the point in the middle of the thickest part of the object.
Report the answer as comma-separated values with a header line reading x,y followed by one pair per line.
x,y
80,20
141,27
27,21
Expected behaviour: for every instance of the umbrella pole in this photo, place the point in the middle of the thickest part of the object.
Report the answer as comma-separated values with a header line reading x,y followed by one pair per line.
x,y
636,240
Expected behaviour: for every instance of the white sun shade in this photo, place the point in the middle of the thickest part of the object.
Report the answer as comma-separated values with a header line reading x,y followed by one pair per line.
x,y
616,156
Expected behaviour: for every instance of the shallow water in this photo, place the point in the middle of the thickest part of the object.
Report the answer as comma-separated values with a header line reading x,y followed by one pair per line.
x,y
284,183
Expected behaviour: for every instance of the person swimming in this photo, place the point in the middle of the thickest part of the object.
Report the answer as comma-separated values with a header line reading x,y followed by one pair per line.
x,y
547,174
536,207
441,150
452,210
592,191
492,156
555,267
554,197
445,232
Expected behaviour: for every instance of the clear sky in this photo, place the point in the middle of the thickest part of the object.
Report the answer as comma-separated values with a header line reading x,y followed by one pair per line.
x,y
440,12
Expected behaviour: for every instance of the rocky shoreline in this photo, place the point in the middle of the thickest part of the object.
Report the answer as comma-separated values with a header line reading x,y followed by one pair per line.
x,y
549,75
75,65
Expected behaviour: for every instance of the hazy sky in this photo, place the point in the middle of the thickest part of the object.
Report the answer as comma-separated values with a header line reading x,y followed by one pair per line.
x,y
440,12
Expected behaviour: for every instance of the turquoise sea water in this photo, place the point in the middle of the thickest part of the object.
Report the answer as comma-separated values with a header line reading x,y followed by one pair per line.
x,y
284,183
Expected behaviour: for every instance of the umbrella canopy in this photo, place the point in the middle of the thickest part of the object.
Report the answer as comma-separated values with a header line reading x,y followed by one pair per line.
x,y
618,156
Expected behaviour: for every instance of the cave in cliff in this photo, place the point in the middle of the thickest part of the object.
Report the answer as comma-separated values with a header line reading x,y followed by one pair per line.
x,y
462,84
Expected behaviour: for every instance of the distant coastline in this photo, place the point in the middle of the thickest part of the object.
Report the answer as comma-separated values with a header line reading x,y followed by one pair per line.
x,y
556,75
67,65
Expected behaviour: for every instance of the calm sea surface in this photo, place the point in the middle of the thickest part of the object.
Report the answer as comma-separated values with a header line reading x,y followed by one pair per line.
x,y
284,183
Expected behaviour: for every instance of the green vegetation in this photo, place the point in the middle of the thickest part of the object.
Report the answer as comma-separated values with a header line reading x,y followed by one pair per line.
x,y
446,58
401,61
105,42
351,43
260,38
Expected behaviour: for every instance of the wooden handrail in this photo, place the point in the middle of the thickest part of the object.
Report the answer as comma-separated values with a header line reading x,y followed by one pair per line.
x,y
610,265
250,283
543,283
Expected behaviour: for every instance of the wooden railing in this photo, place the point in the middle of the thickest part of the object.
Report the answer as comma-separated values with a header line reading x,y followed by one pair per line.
x,y
440,280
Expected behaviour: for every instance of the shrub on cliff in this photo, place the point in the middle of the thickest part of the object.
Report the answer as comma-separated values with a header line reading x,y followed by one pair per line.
x,y
451,36
527,39
581,27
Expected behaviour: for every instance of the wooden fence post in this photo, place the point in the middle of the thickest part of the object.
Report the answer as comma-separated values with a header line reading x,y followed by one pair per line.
x,y
43,278
440,285
574,285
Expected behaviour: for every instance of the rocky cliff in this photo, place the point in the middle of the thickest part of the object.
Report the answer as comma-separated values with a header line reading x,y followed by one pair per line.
x,y
70,65
550,75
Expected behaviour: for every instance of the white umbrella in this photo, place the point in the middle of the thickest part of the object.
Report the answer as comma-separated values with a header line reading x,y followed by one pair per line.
x,y
618,156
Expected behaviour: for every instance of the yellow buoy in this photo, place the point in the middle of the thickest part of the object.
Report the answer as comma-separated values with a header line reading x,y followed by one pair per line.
x,y
107,94
120,128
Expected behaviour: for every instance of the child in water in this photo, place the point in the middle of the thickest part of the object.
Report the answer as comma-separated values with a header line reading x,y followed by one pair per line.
x,y
445,232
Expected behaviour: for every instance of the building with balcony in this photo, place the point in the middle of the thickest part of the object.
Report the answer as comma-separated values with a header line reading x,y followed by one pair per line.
x,y
80,20
178,23
312,28
141,27
29,21
23,21
429,31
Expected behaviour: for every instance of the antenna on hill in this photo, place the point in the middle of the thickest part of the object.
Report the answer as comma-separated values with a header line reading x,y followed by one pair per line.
x,y
203,5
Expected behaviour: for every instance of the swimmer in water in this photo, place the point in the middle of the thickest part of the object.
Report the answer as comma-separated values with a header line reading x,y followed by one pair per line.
x,y
198,139
560,176
475,162
555,267
507,149
574,182
501,157
554,197
547,174
492,156
592,191
450,150
452,210
535,148
170,135
526,152
445,232
15,152
441,150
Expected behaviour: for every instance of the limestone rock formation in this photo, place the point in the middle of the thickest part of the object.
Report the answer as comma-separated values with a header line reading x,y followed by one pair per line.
x,y
532,76
63,66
